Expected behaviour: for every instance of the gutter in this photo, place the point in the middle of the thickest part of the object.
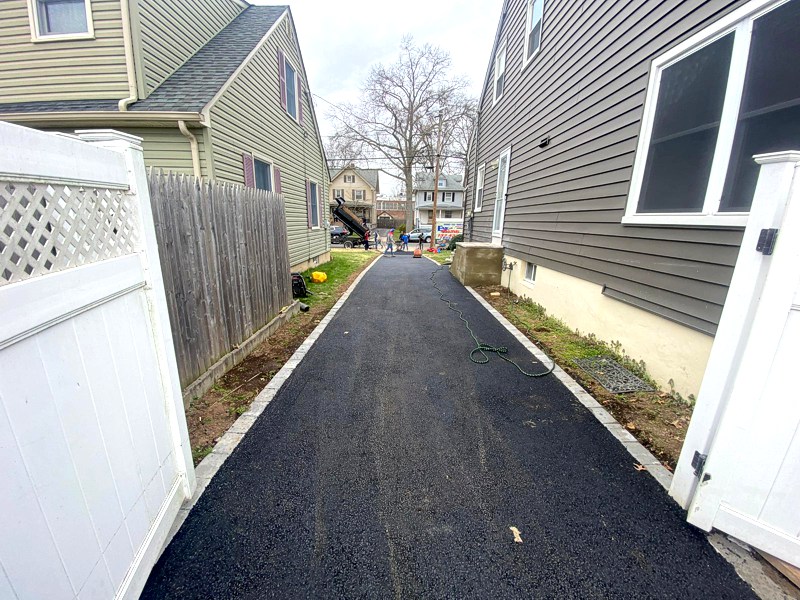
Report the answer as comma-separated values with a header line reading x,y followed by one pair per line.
x,y
129,61
193,145
93,116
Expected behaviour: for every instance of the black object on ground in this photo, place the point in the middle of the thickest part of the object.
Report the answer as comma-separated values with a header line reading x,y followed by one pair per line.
x,y
299,289
388,465
612,375
353,223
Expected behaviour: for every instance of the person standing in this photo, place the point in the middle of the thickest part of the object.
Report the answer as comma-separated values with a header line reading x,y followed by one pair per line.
x,y
404,239
366,240
390,243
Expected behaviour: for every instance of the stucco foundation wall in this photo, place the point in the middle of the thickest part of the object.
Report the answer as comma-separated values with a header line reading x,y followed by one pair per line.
x,y
670,350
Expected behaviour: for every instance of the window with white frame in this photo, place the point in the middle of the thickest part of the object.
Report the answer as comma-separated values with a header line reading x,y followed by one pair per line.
x,y
349,178
447,197
479,188
313,208
723,96
58,19
428,196
448,214
533,28
499,72
338,193
292,97
262,172
442,182
500,194
530,272
358,195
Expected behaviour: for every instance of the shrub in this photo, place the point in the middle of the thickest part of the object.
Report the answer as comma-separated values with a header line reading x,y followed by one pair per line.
x,y
401,229
454,241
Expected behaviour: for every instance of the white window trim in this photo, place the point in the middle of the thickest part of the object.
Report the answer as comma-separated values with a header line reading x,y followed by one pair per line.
x,y
525,280
479,185
319,207
36,37
346,175
501,49
497,234
740,21
526,60
297,98
363,196
270,162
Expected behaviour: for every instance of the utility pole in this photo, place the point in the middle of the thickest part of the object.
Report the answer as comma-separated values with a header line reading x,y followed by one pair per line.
x,y
436,180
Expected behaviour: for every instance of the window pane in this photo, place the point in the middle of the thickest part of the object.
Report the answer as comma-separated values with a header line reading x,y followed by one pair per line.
x,y
314,204
769,120
62,16
263,175
688,111
291,90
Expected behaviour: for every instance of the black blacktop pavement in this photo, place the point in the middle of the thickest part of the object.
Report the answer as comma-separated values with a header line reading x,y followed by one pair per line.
x,y
390,466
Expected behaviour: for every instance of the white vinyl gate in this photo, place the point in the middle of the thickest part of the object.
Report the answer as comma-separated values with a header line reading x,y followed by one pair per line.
x,y
739,471
94,450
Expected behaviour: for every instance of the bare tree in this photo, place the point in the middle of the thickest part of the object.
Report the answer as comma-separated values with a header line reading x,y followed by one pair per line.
x,y
399,104
341,151
457,124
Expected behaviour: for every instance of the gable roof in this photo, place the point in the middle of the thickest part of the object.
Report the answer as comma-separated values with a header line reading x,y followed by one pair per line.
x,y
424,181
368,175
196,82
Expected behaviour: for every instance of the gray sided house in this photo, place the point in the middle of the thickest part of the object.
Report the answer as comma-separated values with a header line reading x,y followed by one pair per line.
x,y
216,88
449,204
612,160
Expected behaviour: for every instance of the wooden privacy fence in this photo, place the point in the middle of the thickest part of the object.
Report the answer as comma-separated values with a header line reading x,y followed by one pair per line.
x,y
225,257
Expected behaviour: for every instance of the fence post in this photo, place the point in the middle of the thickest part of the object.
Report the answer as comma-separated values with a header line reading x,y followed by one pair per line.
x,y
130,147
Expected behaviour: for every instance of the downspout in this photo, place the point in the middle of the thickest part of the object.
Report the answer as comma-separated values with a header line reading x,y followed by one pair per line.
x,y
129,61
195,148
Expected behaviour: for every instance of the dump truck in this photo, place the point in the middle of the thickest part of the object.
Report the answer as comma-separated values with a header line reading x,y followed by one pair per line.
x,y
358,231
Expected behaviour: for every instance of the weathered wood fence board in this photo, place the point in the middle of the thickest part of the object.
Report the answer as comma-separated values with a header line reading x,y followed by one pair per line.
x,y
225,258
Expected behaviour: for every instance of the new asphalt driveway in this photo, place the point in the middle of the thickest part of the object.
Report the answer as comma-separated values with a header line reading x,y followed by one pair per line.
x,y
390,466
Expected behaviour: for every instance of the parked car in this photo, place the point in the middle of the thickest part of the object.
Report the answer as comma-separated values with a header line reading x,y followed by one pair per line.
x,y
423,232
338,233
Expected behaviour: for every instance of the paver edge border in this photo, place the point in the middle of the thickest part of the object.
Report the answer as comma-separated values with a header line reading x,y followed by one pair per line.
x,y
209,466
749,568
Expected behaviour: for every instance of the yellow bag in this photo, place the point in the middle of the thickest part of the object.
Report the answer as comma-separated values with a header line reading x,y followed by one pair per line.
x,y
319,277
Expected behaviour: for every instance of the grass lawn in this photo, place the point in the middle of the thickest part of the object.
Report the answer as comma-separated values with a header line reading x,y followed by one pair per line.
x,y
210,416
439,257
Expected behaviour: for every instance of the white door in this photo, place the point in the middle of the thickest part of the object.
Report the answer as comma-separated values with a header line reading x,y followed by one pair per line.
x,y
500,196
750,482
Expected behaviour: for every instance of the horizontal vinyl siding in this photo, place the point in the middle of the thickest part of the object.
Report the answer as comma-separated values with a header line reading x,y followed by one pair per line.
x,y
168,149
248,117
586,90
172,31
62,70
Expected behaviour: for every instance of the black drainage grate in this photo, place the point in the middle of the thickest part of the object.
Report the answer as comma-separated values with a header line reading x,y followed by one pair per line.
x,y
612,376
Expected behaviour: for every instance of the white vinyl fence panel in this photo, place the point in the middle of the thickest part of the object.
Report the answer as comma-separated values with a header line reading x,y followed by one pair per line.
x,y
94,449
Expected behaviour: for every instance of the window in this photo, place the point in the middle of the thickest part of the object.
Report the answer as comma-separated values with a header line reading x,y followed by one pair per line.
x,y
533,28
499,72
358,195
349,178
263,174
442,182
448,214
530,272
291,90
59,19
447,197
479,188
312,199
338,193
428,196
714,102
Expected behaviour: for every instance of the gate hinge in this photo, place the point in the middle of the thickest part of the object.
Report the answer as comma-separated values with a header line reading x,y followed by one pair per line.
x,y
766,241
698,462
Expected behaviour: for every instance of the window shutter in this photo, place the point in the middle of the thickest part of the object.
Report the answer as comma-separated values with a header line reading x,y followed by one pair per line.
x,y
308,201
277,176
299,99
249,171
282,77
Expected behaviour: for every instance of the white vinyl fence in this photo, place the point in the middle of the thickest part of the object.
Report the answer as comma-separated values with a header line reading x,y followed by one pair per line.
x,y
94,450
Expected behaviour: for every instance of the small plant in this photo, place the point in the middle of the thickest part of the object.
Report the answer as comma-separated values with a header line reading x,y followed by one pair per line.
x,y
401,229
200,453
455,239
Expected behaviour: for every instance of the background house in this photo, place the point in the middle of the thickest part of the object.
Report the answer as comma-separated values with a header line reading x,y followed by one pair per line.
x,y
216,88
602,168
450,204
359,188
391,211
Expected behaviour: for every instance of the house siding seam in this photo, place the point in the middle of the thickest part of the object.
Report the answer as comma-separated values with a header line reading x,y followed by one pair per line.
x,y
565,202
248,117
172,31
79,69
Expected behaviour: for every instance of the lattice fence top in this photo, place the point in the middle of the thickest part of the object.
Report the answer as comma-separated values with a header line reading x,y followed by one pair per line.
x,y
46,228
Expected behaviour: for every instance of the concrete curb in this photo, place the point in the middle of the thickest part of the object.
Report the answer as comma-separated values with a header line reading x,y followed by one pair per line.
x,y
765,581
209,466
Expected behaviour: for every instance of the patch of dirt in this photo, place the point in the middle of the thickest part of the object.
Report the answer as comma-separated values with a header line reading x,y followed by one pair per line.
x,y
209,417
656,419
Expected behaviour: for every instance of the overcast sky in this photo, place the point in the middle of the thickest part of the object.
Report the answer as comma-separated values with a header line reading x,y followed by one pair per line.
x,y
341,40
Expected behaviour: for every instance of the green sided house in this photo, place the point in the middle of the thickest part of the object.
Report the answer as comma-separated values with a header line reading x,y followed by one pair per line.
x,y
214,88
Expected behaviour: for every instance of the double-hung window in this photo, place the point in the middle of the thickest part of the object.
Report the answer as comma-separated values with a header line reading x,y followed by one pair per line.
x,y
263,174
59,19
312,199
479,188
291,90
428,196
499,72
349,178
533,28
338,193
731,92
530,272
358,195
442,182
447,197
